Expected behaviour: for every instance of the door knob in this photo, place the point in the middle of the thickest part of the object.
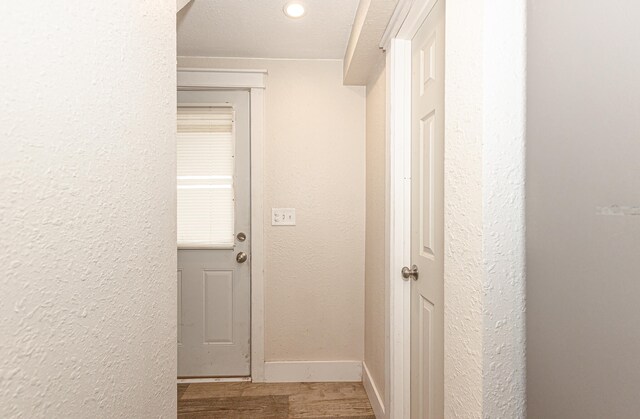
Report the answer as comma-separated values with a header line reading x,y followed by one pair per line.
x,y
241,257
410,273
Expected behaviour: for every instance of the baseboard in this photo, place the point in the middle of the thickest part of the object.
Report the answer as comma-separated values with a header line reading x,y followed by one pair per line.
x,y
377,402
213,380
312,371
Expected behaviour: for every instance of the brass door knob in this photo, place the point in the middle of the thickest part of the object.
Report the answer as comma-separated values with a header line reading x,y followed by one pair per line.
x,y
241,257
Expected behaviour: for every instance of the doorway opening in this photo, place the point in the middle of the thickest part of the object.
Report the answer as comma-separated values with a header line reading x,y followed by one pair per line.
x,y
219,240
214,234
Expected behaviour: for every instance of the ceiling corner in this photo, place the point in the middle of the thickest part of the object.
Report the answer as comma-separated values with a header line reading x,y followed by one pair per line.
x,y
181,3
363,49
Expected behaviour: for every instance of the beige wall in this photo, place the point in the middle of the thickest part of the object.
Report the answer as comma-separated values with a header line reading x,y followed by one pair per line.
x,y
375,242
314,162
87,203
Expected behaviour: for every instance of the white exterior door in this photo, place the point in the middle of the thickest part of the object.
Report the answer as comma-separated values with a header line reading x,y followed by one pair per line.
x,y
427,217
214,237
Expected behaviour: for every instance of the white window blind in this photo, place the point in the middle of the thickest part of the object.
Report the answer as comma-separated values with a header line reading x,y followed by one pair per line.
x,y
205,177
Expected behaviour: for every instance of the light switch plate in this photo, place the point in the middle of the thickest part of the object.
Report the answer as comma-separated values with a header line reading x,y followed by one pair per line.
x,y
283,216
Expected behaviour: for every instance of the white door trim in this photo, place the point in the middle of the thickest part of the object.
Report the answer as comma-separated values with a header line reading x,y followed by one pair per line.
x,y
216,78
257,234
399,163
405,22
253,81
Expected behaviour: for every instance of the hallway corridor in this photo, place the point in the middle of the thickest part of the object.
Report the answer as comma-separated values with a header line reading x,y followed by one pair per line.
x,y
273,400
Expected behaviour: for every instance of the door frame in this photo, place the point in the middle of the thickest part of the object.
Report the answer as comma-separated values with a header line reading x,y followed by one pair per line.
x,y
253,81
404,24
489,39
398,363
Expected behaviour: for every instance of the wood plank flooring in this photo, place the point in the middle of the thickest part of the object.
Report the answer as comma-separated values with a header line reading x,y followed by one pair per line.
x,y
273,400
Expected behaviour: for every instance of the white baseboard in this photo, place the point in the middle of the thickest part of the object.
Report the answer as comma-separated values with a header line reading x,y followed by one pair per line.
x,y
377,402
312,371
213,380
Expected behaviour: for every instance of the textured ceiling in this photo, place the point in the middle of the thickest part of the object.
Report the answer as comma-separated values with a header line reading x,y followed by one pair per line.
x,y
259,28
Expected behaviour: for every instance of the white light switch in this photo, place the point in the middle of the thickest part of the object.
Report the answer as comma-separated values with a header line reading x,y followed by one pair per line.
x,y
283,216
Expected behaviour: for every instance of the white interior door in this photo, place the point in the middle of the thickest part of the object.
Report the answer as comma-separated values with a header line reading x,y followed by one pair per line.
x,y
213,172
427,217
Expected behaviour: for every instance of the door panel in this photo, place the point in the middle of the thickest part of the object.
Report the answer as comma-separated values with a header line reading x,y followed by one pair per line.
x,y
214,202
179,307
426,178
425,350
427,217
218,306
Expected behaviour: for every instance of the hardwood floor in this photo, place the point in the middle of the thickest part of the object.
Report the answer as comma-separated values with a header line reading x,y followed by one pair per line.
x,y
273,400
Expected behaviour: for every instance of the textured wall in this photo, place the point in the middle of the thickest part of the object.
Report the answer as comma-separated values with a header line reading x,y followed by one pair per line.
x,y
503,209
463,271
314,162
484,221
583,268
376,240
87,191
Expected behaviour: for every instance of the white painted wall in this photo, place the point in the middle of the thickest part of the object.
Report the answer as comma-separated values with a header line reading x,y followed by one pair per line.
x,y
503,174
583,268
87,191
484,220
463,269
375,329
314,162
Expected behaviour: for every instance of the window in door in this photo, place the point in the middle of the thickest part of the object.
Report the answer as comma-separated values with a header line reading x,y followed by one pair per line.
x,y
205,170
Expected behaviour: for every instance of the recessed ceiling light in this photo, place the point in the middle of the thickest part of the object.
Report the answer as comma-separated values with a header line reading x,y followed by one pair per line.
x,y
294,10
